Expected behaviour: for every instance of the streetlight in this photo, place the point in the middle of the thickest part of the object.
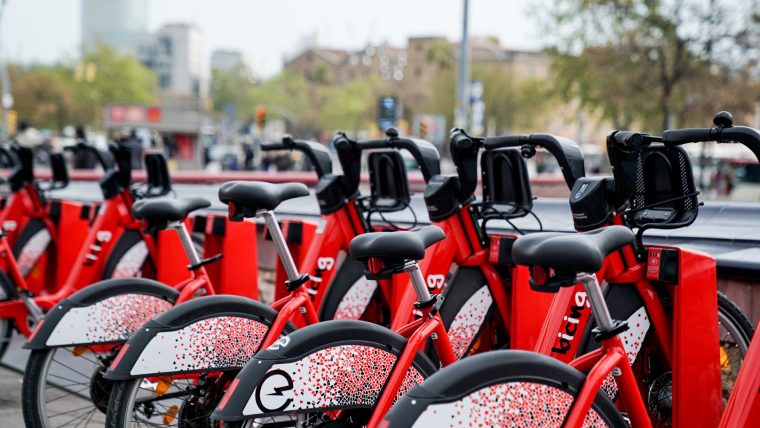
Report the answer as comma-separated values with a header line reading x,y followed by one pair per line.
x,y
463,81
7,99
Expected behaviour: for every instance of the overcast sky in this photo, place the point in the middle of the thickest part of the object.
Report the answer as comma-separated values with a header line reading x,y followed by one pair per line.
x,y
266,31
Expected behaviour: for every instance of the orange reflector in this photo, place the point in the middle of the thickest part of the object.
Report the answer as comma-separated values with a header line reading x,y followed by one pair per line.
x,y
171,414
79,350
724,361
164,382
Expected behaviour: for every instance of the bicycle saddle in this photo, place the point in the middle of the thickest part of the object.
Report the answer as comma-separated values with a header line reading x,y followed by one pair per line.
x,y
167,209
406,245
571,252
247,197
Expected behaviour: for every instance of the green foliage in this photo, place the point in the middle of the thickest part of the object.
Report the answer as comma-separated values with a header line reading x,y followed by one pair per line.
x,y
646,62
351,107
54,96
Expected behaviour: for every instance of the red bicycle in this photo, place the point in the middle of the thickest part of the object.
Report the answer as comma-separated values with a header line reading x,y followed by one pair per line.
x,y
193,382
631,370
331,345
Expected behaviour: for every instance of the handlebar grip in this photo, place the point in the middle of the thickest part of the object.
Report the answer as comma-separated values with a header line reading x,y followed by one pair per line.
x,y
749,137
274,146
504,141
690,135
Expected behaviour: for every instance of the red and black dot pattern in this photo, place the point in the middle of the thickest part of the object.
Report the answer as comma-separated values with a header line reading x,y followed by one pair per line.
x,y
212,343
110,320
514,404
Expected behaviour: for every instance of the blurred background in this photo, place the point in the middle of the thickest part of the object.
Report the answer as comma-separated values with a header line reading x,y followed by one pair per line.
x,y
207,82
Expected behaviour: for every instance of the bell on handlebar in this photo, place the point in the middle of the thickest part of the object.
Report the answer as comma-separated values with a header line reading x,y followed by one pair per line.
x,y
723,119
391,133
527,151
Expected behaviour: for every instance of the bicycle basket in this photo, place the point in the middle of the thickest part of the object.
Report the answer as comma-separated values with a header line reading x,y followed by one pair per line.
x,y
658,183
389,188
506,186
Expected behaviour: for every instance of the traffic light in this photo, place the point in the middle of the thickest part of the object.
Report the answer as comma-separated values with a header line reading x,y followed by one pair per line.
x,y
261,117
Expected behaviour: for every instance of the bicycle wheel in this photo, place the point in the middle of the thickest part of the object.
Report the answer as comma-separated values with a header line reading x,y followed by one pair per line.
x,y
500,388
351,296
735,331
65,387
468,314
184,399
31,245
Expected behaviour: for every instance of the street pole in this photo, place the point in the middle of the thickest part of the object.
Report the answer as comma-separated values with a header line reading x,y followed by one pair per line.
x,y
7,98
463,81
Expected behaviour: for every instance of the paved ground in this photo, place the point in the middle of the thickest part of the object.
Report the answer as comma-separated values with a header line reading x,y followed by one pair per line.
x,y
10,398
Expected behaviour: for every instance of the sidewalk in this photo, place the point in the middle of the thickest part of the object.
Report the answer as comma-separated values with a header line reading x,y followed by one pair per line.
x,y
10,398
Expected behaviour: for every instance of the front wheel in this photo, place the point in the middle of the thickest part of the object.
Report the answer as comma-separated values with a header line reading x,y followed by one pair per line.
x,y
735,331
166,401
65,387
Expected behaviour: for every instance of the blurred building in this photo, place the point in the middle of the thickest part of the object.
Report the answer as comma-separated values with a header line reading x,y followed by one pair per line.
x,y
225,60
175,54
318,64
120,24
410,71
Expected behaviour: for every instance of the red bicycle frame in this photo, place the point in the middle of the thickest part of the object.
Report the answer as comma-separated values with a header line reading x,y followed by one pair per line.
x,y
333,235
687,338
108,226
518,307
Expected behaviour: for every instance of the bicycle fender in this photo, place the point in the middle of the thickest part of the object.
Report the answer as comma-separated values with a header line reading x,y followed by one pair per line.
x,y
106,312
332,365
212,333
477,390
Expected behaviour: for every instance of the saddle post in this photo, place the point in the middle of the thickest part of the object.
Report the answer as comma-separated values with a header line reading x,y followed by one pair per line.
x,y
280,245
418,281
596,298
187,242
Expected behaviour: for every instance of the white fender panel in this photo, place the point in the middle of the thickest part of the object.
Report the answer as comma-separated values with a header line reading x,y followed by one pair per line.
x,y
221,342
110,320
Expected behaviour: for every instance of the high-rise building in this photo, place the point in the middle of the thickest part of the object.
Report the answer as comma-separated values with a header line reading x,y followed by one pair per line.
x,y
120,24
175,54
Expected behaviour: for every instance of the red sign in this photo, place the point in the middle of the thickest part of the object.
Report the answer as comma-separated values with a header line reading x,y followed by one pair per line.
x,y
117,113
134,114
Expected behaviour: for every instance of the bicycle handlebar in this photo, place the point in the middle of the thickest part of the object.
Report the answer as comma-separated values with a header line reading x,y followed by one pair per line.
x,y
567,152
464,152
749,137
105,158
424,152
317,153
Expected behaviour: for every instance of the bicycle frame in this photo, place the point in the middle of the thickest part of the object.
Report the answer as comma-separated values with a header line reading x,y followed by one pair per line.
x,y
695,368
518,307
320,261
429,326
299,300
108,226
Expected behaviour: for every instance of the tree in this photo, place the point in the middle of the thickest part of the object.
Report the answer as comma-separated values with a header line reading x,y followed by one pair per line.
x,y
352,106
44,96
642,60
55,96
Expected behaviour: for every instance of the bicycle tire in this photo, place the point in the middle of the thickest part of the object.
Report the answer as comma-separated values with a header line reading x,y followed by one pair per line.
x,y
120,411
